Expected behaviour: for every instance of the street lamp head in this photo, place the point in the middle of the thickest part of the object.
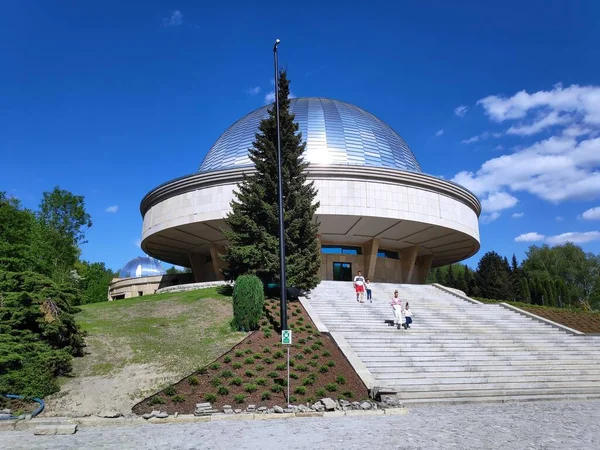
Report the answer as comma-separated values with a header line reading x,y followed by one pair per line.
x,y
277,41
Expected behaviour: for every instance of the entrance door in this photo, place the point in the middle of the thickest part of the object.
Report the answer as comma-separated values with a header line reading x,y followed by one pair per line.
x,y
342,271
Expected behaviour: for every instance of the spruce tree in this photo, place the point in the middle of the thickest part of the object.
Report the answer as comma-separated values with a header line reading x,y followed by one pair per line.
x,y
253,221
451,278
523,294
514,264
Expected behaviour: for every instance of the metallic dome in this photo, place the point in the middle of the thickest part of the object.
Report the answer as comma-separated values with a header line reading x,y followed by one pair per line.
x,y
335,133
142,266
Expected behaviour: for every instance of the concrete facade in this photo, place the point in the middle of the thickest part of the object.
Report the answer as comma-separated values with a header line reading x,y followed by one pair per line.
x,y
428,221
121,288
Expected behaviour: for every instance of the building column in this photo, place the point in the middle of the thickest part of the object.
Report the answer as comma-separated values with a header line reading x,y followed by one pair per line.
x,y
423,264
408,258
370,258
197,262
217,262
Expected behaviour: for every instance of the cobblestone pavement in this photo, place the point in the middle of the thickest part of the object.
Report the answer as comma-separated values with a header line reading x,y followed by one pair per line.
x,y
538,425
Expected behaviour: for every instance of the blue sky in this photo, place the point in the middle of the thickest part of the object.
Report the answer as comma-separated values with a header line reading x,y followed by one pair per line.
x,y
109,99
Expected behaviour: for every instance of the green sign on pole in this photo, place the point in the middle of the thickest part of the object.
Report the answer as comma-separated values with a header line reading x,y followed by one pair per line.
x,y
286,337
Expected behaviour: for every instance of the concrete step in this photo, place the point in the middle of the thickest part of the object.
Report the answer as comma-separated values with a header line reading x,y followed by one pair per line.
x,y
458,351
374,361
489,391
504,398
476,379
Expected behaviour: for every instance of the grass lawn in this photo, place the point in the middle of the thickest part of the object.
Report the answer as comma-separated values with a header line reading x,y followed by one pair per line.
x,y
178,331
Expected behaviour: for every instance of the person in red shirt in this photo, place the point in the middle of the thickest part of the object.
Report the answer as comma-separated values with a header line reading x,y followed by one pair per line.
x,y
359,287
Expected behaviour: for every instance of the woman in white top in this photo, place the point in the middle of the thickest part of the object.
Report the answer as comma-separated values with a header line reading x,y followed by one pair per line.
x,y
398,308
407,316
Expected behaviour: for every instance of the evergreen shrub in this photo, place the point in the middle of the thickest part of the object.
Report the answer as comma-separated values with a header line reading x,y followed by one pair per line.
x,y
248,301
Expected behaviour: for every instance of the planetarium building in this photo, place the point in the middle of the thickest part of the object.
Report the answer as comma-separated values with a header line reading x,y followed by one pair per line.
x,y
379,213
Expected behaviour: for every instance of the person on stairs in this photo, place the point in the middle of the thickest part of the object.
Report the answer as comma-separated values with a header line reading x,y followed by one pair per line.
x,y
407,316
398,309
368,288
359,286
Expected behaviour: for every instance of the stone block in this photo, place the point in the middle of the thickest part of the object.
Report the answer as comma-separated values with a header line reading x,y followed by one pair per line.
x,y
309,414
371,412
328,403
242,416
55,429
395,411
274,416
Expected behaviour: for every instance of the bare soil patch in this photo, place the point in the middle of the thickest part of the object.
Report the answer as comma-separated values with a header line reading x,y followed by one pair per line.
x,y
137,347
255,371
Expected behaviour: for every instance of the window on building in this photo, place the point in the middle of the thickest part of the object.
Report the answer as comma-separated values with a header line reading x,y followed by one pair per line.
x,y
140,293
387,254
340,250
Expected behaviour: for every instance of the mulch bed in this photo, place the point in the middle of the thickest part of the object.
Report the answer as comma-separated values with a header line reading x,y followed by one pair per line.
x,y
586,322
254,372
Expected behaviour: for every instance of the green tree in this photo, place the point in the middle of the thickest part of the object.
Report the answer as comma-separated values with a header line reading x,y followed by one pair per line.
x,y
253,221
248,301
17,235
38,333
65,213
94,280
514,264
523,294
493,276
63,221
461,282
432,276
451,277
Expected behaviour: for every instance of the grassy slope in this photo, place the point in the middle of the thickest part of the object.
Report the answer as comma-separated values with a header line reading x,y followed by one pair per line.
x,y
179,331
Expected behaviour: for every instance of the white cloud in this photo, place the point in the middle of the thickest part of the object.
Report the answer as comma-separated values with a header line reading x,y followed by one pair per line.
x,y
574,237
138,243
270,97
559,218
112,209
499,147
472,139
497,201
549,120
556,169
489,218
530,237
253,90
461,110
575,99
439,132
174,20
517,215
481,137
576,131
591,214
560,239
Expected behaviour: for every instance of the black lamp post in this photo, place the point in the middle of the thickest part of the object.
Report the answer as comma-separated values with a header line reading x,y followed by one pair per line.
x,y
283,316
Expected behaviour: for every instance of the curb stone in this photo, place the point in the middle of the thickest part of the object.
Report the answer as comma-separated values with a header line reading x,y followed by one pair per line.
x,y
90,422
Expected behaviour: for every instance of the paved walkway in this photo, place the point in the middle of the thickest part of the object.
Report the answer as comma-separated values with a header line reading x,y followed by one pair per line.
x,y
538,425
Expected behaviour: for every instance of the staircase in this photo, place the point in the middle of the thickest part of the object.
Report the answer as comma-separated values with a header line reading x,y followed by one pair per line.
x,y
456,351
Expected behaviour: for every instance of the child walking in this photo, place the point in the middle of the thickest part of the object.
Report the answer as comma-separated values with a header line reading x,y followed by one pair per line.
x,y
407,316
